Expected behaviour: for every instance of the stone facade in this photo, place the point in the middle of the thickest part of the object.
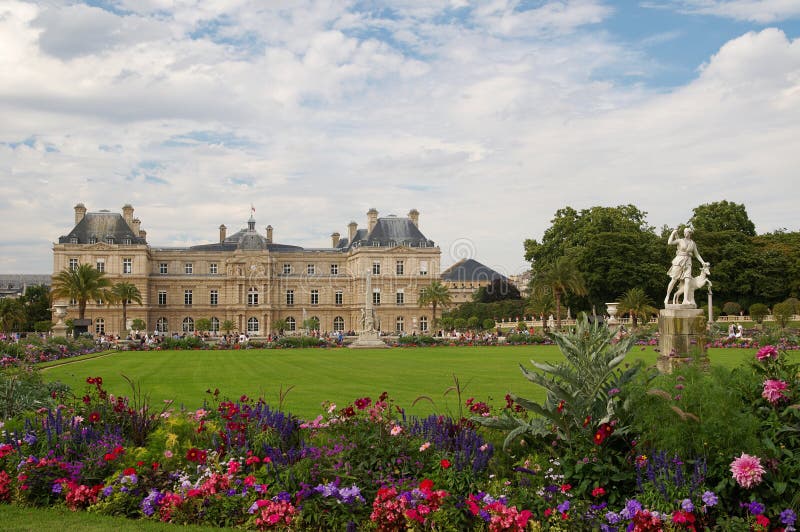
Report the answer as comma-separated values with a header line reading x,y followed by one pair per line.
x,y
252,281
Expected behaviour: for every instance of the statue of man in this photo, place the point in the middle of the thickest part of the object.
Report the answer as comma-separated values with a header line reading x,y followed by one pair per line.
x,y
681,268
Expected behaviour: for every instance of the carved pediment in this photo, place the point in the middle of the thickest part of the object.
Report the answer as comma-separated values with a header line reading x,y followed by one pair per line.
x,y
100,246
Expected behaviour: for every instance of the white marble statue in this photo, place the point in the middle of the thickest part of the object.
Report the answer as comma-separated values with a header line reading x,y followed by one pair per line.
x,y
690,284
681,269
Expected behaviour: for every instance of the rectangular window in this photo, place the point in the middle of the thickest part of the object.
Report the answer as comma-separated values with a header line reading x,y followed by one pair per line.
x,y
126,241
310,269
162,268
376,296
162,297
127,265
334,269
212,268
400,297
101,265
73,264
338,298
315,297
376,268
399,267
187,297
423,267
188,268
287,269
290,297
214,298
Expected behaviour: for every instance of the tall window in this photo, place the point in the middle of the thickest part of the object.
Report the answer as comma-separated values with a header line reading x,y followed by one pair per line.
x,y
73,240
376,296
92,240
101,265
398,324
338,323
126,241
311,269
376,268
338,298
188,268
252,326
73,264
290,297
99,326
162,325
162,297
214,325
162,268
287,269
187,297
400,297
188,325
214,298
110,240
399,267
423,267
127,265
291,324
315,297
212,268
423,323
334,269
252,296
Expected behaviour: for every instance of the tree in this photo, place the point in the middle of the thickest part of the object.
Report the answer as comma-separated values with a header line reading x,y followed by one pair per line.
x,y
203,325
82,284
277,325
722,216
228,326
12,315
124,293
758,311
636,303
560,279
139,324
488,323
782,313
731,308
542,304
435,295
36,301
794,304
499,289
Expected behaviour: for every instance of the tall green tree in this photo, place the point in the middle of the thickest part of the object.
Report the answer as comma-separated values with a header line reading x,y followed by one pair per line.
x,y
12,315
125,293
636,303
722,216
82,284
542,304
36,301
435,295
561,278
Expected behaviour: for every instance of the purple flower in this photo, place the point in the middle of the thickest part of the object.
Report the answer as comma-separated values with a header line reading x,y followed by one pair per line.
x,y
107,491
709,498
754,507
687,506
563,507
788,517
485,515
150,503
57,487
613,518
631,507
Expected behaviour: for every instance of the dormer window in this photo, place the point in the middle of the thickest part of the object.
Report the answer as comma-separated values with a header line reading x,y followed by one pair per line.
x,y
93,240
109,240
73,240
126,241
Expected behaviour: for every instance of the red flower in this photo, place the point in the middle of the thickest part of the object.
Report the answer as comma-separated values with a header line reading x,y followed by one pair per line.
x,y
94,417
90,380
87,399
363,403
762,520
445,463
426,485
565,487
129,471
561,407
598,492
587,420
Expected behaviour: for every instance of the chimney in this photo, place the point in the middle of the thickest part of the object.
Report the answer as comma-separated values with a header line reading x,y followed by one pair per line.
x,y
127,214
352,227
137,226
143,234
335,240
372,219
223,231
269,234
414,215
80,212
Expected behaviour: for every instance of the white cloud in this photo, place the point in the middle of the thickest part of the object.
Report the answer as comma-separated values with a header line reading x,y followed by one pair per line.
x,y
759,11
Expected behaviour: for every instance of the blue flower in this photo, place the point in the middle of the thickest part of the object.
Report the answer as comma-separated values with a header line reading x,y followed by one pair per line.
x,y
613,518
687,506
709,498
788,517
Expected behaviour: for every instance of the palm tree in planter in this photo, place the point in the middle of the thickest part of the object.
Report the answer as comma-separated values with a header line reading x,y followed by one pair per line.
x,y
636,303
124,293
435,295
82,284
541,304
560,279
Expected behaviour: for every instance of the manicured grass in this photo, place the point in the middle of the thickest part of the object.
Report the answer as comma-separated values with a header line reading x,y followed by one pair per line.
x,y
22,519
338,375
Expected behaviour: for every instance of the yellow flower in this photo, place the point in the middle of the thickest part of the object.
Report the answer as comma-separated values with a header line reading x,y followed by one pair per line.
x,y
172,440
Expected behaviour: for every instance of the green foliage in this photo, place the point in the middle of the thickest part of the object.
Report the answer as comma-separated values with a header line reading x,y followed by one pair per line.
x,y
12,315
42,326
758,311
794,304
312,324
460,323
189,342
638,304
203,324
418,340
22,389
276,325
783,313
508,308
561,278
36,301
138,324
722,216
299,341
228,326
435,295
488,323
731,308
82,284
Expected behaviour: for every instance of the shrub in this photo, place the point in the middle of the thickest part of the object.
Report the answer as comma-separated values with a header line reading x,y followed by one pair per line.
x,y
783,313
731,308
758,311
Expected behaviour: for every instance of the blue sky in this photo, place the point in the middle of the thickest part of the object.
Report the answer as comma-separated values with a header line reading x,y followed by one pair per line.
x,y
485,116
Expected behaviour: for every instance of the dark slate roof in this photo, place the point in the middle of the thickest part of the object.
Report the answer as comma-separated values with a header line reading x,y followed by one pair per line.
x,y
247,240
100,226
470,270
388,231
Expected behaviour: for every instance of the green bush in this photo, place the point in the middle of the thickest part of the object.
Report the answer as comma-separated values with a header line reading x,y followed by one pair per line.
x,y
758,311
299,341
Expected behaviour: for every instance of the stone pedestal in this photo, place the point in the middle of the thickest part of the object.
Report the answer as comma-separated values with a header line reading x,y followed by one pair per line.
x,y
368,340
680,329
60,330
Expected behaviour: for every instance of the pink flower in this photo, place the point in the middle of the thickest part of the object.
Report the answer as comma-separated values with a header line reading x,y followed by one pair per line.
x,y
766,352
773,390
424,446
747,470
396,430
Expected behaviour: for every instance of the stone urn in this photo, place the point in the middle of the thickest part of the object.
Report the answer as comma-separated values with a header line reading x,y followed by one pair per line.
x,y
60,312
611,309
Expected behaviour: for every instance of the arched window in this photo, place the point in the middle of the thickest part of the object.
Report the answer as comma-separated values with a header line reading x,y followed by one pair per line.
x,y
214,325
252,326
252,296
162,325
100,326
338,323
423,323
291,324
188,325
398,324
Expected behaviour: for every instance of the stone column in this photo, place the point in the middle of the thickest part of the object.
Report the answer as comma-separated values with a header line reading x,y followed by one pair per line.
x,y
681,330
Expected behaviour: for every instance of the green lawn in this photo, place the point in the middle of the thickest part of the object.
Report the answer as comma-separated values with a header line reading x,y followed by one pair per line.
x,y
338,375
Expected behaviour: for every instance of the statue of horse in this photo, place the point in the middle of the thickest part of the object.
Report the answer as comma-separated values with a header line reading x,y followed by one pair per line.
x,y
691,284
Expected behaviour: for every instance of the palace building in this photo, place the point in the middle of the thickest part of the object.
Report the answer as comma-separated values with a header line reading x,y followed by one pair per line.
x,y
253,281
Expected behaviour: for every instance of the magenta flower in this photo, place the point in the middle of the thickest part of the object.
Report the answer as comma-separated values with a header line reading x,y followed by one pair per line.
x,y
747,470
773,390
766,352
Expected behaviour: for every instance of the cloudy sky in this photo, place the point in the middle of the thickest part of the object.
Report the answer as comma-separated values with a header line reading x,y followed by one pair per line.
x,y
486,117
